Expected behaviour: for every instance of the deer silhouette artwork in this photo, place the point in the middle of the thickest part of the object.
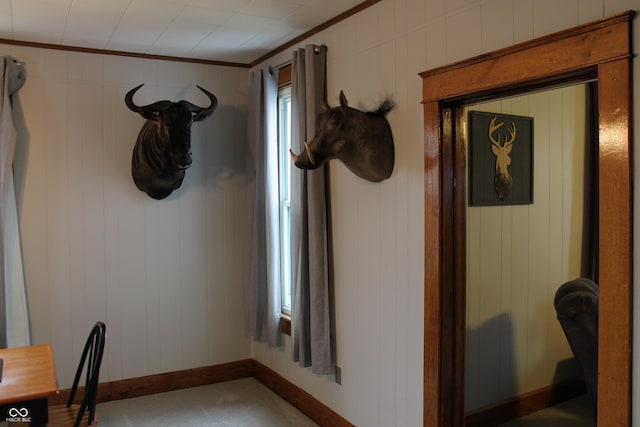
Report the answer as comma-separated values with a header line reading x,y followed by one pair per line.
x,y
502,181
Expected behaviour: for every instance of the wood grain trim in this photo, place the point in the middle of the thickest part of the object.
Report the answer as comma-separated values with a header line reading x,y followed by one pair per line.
x,y
525,404
160,383
458,270
589,44
306,403
177,380
433,380
121,53
544,40
284,76
344,15
450,346
605,53
615,307
285,325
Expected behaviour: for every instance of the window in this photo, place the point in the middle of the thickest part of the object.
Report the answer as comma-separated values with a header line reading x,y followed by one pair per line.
x,y
284,161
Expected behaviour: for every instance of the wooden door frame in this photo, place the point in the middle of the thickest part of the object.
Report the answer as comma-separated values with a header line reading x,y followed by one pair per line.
x,y
600,50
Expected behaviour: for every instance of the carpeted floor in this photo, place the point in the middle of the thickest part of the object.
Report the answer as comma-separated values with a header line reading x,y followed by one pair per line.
x,y
577,412
239,403
248,403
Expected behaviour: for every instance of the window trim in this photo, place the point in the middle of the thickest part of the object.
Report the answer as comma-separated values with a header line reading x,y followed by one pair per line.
x,y
284,76
284,80
284,202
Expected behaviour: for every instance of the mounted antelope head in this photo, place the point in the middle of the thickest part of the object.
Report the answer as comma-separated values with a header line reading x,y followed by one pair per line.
x,y
162,152
503,181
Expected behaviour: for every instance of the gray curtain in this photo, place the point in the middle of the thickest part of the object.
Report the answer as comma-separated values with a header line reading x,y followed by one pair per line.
x,y
310,317
14,318
262,281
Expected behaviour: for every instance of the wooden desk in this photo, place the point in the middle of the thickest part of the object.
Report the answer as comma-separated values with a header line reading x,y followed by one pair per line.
x,y
28,377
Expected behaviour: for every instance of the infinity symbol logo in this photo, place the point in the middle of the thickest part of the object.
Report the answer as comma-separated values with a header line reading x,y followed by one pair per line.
x,y
15,412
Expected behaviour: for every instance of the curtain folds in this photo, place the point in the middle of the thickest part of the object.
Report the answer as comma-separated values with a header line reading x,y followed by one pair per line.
x,y
14,317
310,318
262,281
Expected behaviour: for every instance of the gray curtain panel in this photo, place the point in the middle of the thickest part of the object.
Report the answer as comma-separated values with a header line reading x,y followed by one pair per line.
x,y
14,317
262,308
310,317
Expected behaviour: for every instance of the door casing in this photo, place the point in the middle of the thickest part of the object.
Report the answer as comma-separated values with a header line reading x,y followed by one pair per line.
x,y
600,50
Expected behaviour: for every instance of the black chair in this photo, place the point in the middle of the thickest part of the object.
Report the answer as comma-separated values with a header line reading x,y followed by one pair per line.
x,y
577,303
85,412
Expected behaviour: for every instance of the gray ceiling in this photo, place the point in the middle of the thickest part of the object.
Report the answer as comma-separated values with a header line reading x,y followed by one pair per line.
x,y
237,31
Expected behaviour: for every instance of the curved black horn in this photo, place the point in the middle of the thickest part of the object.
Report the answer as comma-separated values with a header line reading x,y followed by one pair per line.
x,y
128,99
200,112
146,111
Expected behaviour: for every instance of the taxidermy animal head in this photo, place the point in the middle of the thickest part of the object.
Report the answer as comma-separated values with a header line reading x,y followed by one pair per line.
x,y
362,140
502,181
163,150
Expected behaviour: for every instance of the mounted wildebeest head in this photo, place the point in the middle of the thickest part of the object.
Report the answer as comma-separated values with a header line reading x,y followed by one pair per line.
x,y
163,150
362,140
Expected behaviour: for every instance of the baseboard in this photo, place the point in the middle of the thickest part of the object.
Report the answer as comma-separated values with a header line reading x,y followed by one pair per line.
x,y
525,404
303,401
170,381
160,383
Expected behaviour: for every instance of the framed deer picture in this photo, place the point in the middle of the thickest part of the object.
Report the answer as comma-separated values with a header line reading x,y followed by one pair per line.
x,y
500,159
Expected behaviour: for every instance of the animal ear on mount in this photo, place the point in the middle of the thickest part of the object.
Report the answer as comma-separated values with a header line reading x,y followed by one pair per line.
x,y
343,100
150,114
152,111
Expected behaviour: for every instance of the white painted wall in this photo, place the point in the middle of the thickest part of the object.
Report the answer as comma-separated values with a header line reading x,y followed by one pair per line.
x,y
518,256
165,276
378,228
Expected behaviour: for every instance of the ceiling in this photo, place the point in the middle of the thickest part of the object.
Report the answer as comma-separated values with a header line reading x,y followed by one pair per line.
x,y
235,31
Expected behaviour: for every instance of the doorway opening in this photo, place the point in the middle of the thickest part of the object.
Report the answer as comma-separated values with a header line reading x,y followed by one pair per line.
x,y
600,51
